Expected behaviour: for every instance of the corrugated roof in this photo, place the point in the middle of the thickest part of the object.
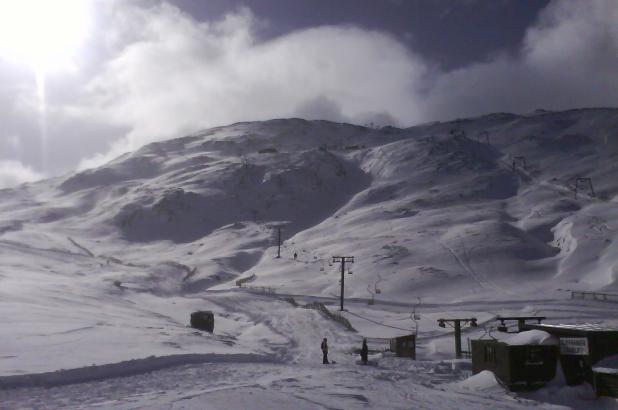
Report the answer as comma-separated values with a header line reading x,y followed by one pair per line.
x,y
583,327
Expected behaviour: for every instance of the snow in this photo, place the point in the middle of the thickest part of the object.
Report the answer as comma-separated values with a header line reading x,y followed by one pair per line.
x,y
100,270
484,380
607,365
532,337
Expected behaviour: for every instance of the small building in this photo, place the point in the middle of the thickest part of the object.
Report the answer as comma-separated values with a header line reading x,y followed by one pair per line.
x,y
581,347
605,383
404,346
203,320
605,377
518,367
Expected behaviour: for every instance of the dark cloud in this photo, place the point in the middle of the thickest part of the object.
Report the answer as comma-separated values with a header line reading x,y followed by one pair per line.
x,y
568,59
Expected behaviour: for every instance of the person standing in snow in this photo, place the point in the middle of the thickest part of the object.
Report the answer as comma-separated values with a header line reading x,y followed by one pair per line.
x,y
295,255
324,347
364,351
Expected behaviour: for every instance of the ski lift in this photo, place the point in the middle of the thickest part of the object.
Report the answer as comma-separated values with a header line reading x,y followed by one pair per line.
x,y
378,291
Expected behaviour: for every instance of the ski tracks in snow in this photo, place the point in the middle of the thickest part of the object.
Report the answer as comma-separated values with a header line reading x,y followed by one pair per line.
x,y
466,266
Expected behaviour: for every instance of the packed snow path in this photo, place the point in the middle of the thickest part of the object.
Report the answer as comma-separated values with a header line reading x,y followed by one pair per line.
x,y
264,386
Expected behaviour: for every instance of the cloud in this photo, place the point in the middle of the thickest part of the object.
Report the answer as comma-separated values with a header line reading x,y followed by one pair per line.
x,y
14,173
567,59
10,145
175,75
321,108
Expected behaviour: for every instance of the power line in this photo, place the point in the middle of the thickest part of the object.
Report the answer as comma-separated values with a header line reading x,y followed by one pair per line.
x,y
378,323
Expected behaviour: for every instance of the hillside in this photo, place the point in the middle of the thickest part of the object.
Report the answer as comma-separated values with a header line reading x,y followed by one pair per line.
x,y
460,213
424,207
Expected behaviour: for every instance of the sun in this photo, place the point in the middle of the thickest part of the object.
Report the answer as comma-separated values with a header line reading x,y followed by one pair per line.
x,y
43,34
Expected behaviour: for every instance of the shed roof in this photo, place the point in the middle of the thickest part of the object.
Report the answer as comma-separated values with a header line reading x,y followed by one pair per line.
x,y
579,329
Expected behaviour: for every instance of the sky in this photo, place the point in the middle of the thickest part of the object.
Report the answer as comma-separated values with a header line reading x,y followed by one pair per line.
x,y
83,81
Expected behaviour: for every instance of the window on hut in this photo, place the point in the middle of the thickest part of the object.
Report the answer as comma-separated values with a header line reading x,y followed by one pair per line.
x,y
490,354
533,356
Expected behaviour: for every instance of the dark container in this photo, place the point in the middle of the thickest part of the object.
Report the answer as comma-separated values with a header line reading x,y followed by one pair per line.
x,y
605,383
203,320
581,346
404,346
518,367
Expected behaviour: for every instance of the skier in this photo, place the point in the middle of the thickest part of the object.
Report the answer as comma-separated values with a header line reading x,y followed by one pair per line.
x,y
295,255
324,347
364,351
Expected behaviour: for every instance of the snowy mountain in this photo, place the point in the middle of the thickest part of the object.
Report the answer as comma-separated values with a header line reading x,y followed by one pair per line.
x,y
468,211
424,207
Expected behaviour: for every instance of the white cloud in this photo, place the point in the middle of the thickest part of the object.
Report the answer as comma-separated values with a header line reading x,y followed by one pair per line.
x,y
176,75
10,143
14,173
321,108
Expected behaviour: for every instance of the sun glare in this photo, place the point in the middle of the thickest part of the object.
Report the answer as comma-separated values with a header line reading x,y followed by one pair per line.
x,y
43,34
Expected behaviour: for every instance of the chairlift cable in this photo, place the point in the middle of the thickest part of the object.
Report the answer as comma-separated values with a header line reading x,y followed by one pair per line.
x,y
378,323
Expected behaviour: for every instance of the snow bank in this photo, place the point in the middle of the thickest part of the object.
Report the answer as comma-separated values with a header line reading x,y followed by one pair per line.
x,y
573,397
122,369
482,381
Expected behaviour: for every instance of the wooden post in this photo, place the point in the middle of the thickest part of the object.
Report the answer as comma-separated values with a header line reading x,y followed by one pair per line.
x,y
342,282
456,324
278,242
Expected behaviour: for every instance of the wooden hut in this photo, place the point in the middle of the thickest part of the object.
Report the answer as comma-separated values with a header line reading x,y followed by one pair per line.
x,y
518,367
581,346
404,346
203,320
605,377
